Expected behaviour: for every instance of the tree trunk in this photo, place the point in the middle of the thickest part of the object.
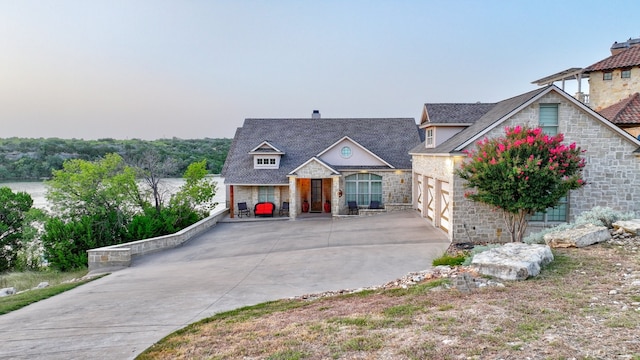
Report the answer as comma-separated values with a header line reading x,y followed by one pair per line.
x,y
516,224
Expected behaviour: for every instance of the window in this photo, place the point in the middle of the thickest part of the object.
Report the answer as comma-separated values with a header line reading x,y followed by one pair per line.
x,y
266,193
554,214
363,188
549,118
429,138
345,152
265,163
607,75
625,74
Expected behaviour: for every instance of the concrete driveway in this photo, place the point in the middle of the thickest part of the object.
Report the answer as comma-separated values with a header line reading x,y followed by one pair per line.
x,y
229,266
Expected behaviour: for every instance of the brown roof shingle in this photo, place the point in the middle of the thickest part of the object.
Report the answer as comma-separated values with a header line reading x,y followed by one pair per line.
x,y
624,59
624,112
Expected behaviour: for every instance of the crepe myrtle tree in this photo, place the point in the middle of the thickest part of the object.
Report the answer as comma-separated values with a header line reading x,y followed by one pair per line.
x,y
522,173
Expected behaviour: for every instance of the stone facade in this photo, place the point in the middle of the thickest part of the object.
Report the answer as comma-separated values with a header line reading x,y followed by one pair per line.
x,y
604,93
396,187
612,173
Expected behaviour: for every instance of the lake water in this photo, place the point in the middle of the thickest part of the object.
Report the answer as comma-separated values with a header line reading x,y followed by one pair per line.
x,y
37,190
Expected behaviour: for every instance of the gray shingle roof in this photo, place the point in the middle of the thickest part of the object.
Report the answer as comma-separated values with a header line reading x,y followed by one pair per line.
x,y
301,139
456,113
497,112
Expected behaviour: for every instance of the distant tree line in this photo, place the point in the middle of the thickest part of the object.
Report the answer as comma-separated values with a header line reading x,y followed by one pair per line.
x,y
34,159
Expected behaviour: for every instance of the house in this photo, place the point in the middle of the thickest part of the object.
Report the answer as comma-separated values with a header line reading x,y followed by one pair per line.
x,y
321,161
614,83
612,156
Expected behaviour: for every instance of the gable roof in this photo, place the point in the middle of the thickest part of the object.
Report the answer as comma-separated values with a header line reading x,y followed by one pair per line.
x,y
626,58
302,139
492,116
502,111
355,143
316,160
266,148
443,113
625,112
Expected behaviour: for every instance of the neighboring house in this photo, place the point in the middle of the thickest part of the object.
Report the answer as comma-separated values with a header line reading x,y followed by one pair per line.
x,y
614,83
321,160
612,155
625,114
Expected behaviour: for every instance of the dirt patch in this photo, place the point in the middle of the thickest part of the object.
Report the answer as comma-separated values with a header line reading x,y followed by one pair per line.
x,y
585,305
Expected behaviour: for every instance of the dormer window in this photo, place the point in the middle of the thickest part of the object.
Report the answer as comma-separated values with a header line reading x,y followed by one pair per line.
x,y
266,156
266,162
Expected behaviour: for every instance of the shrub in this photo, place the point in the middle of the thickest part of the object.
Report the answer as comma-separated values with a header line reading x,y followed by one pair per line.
x,y
447,259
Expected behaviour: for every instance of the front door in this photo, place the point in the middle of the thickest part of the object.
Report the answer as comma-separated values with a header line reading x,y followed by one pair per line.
x,y
316,195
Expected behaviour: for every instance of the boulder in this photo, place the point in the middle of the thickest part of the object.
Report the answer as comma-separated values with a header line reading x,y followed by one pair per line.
x,y
630,226
513,261
580,236
7,291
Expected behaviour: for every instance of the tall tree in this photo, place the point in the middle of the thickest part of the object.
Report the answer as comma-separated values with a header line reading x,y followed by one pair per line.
x,y
13,209
522,173
89,188
151,167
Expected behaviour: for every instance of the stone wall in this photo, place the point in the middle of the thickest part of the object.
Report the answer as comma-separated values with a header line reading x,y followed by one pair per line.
x,y
114,257
604,93
249,194
396,187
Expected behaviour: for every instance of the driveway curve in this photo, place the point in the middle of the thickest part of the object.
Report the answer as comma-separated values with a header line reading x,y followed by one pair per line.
x,y
230,266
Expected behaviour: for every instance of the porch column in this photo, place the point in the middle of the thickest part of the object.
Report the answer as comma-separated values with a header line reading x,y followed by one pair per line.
x,y
335,198
293,197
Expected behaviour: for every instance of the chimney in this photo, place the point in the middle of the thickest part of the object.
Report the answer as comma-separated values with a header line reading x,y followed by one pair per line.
x,y
315,114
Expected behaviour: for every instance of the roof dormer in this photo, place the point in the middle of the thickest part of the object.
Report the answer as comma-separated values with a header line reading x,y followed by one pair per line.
x,y
266,156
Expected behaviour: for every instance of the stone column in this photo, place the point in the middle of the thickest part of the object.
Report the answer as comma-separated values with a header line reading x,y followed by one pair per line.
x,y
335,199
293,197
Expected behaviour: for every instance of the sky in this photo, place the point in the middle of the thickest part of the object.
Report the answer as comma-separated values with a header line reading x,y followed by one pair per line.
x,y
124,69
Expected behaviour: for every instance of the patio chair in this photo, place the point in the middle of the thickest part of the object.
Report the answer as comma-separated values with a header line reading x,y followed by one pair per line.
x,y
374,205
243,209
353,207
284,209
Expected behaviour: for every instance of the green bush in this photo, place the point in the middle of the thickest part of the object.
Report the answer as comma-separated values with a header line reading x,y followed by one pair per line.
x,y
450,260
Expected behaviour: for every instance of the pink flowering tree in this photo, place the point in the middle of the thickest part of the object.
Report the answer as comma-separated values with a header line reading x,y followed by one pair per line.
x,y
522,173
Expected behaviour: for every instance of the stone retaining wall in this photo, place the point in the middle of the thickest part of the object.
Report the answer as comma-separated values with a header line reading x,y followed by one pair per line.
x,y
119,256
387,208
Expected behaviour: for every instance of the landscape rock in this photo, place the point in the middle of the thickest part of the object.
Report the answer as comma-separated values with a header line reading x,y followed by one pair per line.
x,y
7,291
581,236
42,285
628,226
513,261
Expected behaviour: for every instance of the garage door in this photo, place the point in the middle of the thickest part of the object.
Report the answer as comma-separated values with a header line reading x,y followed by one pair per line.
x,y
429,200
419,192
444,209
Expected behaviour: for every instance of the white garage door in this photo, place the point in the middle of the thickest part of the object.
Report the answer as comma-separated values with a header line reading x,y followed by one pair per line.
x,y
430,199
444,209
419,192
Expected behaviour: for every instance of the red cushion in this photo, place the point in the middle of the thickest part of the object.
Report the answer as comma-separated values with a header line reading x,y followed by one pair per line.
x,y
264,208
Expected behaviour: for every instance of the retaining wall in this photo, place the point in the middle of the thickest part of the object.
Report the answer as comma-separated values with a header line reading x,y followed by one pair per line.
x,y
119,256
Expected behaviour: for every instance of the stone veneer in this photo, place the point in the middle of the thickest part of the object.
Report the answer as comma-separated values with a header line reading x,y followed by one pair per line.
x,y
604,93
612,173
396,187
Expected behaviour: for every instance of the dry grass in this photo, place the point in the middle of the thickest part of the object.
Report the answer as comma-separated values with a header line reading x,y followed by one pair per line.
x,y
567,312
